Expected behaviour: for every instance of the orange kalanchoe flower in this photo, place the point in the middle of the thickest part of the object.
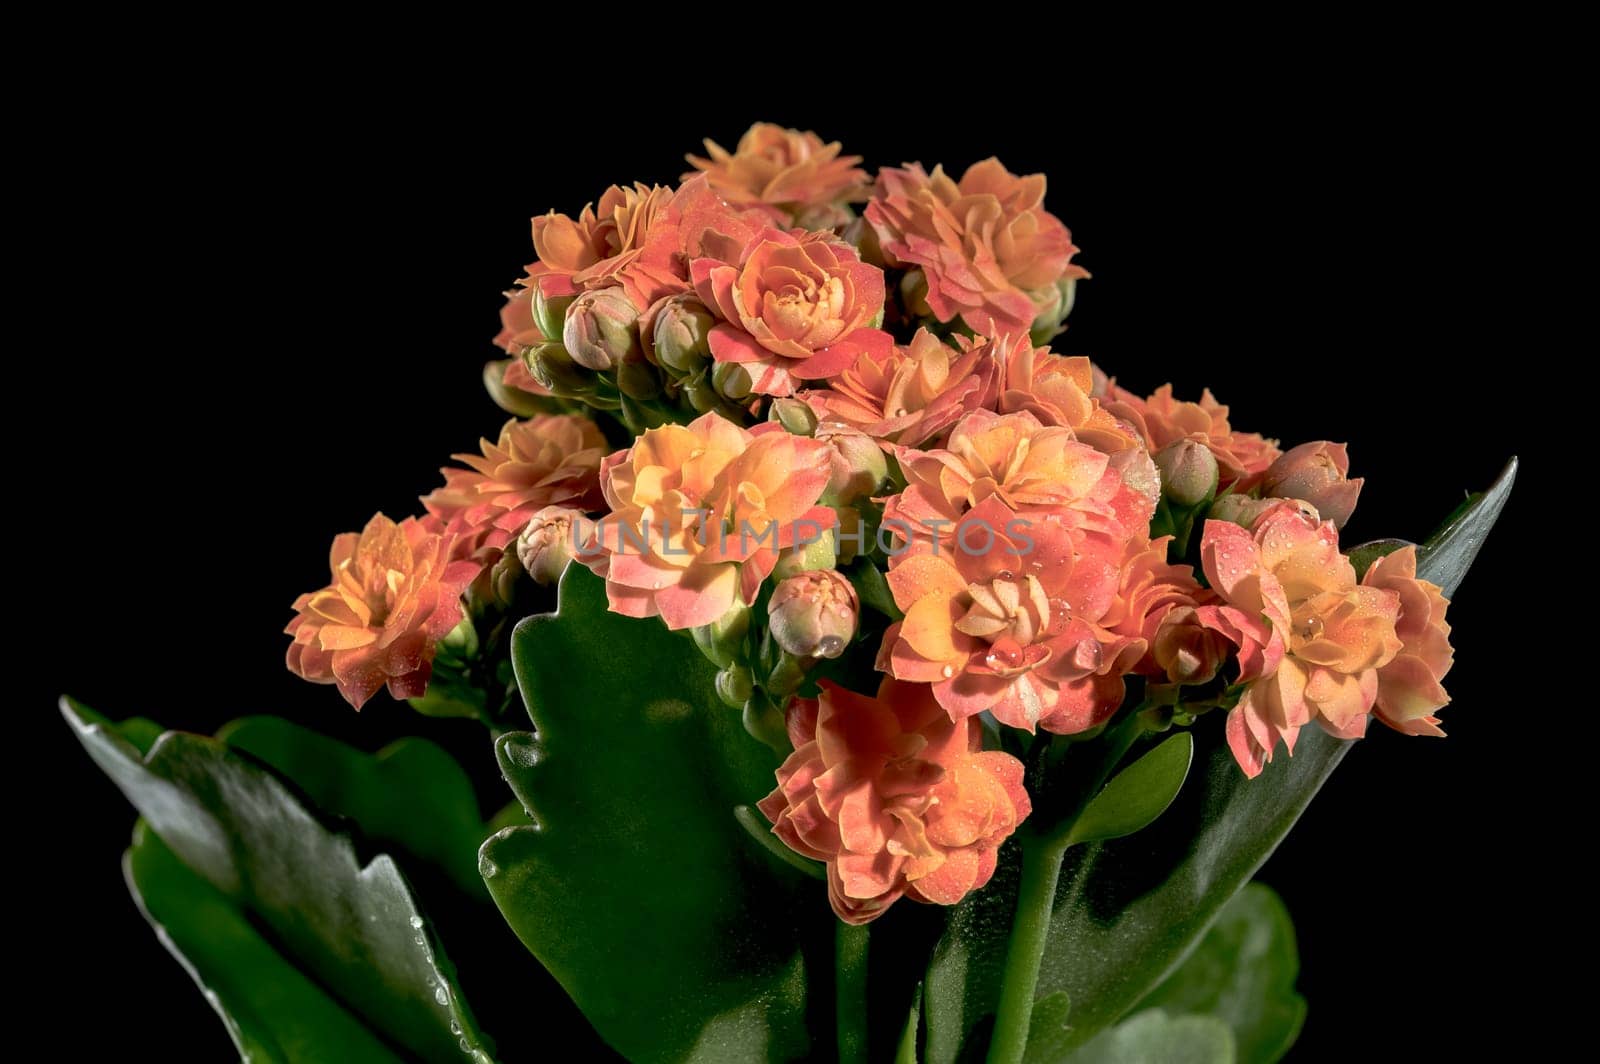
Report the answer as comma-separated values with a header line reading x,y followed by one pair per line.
x,y
907,394
607,245
699,513
1058,390
1009,617
990,251
395,593
794,172
1030,467
791,307
1408,687
1338,637
1242,457
552,459
897,798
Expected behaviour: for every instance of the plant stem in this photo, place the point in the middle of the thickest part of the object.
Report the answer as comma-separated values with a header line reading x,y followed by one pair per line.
x,y
1041,868
1042,853
850,989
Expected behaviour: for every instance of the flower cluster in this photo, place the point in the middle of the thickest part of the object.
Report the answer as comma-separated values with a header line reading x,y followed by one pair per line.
x,y
847,440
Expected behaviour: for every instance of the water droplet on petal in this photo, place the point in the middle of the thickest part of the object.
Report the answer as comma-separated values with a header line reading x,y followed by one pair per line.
x,y
947,672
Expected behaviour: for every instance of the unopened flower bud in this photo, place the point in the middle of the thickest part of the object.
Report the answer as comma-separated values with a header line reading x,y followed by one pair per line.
x,y
550,540
820,216
511,400
1186,650
550,313
1240,509
914,294
821,552
701,395
794,415
1188,472
722,641
859,466
601,329
678,334
638,380
734,686
813,614
1315,473
732,380
1047,303
552,367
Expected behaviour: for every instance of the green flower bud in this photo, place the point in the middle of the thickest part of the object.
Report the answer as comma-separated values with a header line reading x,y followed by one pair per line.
x,y
722,641
550,313
732,380
821,553
734,686
813,614
511,400
1241,509
552,367
794,415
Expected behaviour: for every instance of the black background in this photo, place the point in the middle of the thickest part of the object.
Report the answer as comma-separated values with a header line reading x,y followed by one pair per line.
x,y
278,313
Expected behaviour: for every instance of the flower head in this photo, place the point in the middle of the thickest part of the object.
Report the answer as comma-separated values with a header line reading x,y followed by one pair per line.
x,y
1030,467
990,251
897,798
1058,390
394,594
1008,618
607,245
1335,634
1162,420
1409,692
790,307
698,514
774,167
546,460
907,394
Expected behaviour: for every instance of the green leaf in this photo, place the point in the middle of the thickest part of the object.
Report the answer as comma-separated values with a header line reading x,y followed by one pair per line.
x,y
872,588
353,929
272,1011
1126,910
1152,1036
636,887
1243,973
411,796
1136,795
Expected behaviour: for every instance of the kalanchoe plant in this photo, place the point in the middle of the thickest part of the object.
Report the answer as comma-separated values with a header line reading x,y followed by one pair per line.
x,y
846,670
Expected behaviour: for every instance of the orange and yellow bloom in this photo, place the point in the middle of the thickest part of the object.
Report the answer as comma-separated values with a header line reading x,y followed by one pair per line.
x,y
897,798
791,172
395,592
989,250
552,459
698,514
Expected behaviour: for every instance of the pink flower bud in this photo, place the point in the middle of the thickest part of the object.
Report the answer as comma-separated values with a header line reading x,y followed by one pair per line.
x,y
601,329
1315,473
813,614
678,333
859,467
1188,472
549,541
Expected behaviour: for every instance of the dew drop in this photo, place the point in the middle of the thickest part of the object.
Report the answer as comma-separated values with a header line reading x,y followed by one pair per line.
x,y
486,867
441,995
947,672
465,1047
418,939
416,922
455,1026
